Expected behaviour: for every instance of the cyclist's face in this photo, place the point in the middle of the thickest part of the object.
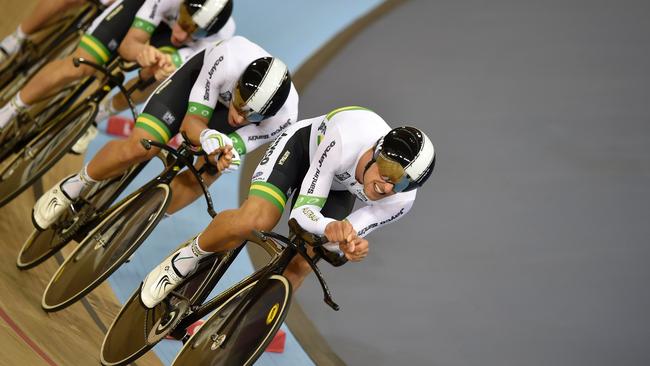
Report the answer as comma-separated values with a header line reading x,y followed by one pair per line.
x,y
179,35
375,186
235,117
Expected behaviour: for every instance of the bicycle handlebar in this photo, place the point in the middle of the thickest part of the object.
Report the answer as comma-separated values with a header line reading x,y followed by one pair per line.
x,y
147,144
77,61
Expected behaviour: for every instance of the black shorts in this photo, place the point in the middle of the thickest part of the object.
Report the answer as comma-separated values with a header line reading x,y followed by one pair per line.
x,y
109,29
163,113
281,171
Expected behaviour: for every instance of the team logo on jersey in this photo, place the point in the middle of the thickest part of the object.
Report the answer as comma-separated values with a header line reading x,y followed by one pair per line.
x,y
113,44
343,176
321,132
257,175
310,214
226,96
168,117
284,157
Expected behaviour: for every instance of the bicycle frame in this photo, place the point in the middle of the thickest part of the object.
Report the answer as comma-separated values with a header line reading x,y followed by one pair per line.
x,y
282,250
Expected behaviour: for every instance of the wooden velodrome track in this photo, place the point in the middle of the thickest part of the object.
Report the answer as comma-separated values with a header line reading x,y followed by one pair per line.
x,y
28,335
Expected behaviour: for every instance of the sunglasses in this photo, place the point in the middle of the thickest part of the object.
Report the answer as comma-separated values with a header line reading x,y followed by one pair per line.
x,y
186,22
240,105
392,172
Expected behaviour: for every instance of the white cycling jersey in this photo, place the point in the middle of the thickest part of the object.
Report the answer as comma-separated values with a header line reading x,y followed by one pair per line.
x,y
152,12
337,142
223,64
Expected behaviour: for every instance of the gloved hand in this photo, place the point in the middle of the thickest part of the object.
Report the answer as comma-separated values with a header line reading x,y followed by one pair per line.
x,y
234,163
211,140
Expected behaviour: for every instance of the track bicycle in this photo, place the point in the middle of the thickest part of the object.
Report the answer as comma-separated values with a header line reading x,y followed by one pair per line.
x,y
244,318
77,221
57,39
47,147
121,231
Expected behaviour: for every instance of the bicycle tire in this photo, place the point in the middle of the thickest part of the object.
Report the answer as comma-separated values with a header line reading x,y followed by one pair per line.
x,y
41,245
136,328
249,337
106,247
43,151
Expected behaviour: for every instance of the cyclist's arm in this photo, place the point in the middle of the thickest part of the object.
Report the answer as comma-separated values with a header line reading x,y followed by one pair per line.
x,y
145,23
316,185
203,97
250,137
369,218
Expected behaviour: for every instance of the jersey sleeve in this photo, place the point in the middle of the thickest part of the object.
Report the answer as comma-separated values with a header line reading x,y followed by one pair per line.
x,y
316,185
369,218
204,94
149,15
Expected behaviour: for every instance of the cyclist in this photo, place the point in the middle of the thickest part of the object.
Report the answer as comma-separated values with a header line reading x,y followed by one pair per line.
x,y
234,86
350,153
135,27
43,12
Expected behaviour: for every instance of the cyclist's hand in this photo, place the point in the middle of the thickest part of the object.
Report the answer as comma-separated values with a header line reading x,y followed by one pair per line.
x,y
235,162
340,232
222,157
356,249
212,140
162,72
151,56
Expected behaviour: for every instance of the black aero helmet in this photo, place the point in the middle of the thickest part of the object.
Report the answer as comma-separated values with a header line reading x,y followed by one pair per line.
x,y
207,16
413,151
263,88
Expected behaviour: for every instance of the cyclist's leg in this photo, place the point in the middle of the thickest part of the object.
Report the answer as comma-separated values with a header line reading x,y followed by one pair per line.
x,y
262,210
185,187
272,184
99,44
338,206
43,12
161,39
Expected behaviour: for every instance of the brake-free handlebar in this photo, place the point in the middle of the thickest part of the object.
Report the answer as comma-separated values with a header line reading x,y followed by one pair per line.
x,y
183,154
115,80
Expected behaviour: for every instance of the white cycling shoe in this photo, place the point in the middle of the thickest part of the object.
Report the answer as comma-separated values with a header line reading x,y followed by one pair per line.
x,y
81,145
50,207
160,282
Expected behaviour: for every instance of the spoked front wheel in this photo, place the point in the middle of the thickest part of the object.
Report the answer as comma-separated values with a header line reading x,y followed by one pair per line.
x,y
105,248
249,337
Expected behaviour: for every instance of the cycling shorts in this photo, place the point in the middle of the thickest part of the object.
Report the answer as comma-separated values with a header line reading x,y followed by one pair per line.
x,y
165,109
280,173
109,29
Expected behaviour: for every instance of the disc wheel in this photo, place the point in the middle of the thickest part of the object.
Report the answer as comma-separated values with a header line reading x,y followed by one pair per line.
x,y
249,337
136,329
105,248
